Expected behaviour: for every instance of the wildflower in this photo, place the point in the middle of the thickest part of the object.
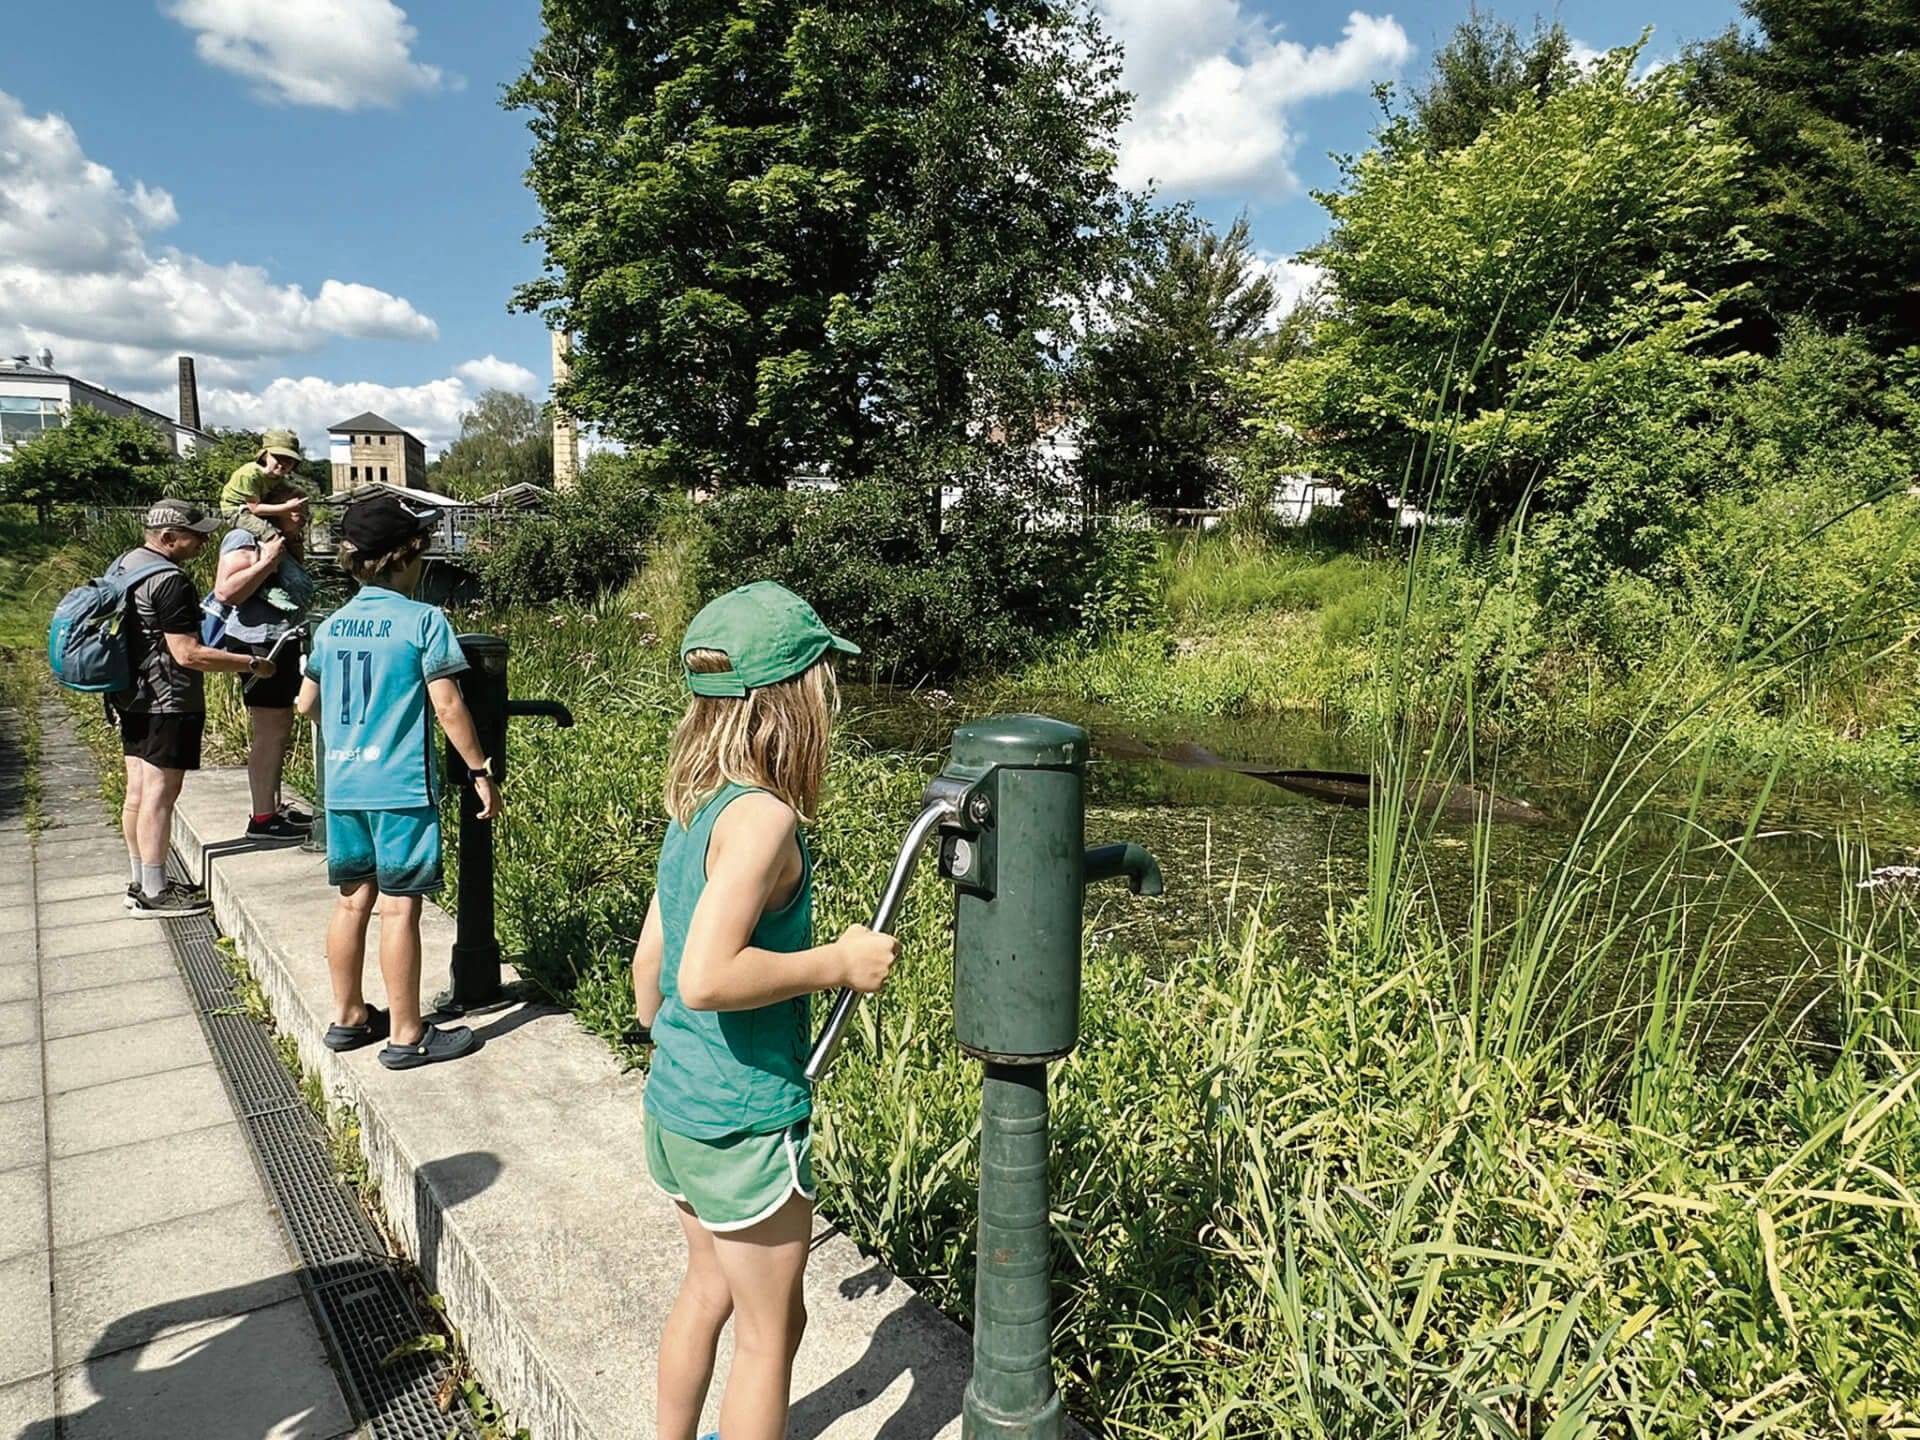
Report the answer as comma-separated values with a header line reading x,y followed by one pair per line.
x,y
557,620
638,615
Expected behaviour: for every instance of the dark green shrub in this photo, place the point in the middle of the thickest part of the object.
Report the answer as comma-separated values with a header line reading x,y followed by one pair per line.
x,y
980,594
590,538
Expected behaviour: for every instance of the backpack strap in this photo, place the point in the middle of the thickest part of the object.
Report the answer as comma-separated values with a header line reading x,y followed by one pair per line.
x,y
127,579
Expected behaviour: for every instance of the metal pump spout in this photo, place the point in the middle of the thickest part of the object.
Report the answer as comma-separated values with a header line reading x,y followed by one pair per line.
x,y
547,709
1110,862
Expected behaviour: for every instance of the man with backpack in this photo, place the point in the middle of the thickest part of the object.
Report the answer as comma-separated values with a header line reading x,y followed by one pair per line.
x,y
162,715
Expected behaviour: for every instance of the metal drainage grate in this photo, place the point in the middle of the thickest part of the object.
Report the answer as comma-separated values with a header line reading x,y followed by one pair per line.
x,y
363,1308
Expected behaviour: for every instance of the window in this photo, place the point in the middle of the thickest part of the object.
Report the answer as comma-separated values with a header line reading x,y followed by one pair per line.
x,y
353,476
383,474
22,417
383,440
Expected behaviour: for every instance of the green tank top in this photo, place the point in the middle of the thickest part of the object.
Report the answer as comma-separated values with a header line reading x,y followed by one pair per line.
x,y
726,1072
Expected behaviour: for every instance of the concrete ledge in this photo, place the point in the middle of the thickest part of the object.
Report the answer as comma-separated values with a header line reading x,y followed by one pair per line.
x,y
514,1179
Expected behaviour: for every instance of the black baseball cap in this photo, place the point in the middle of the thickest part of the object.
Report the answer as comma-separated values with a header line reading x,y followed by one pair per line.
x,y
181,515
382,523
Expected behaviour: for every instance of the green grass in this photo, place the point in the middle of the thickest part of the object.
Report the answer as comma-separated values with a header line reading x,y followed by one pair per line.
x,y
1545,1173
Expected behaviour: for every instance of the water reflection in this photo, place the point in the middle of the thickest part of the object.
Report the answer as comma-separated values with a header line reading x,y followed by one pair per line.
x,y
1230,844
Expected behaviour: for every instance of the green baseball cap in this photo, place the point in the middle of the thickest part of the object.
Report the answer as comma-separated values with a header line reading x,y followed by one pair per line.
x,y
769,634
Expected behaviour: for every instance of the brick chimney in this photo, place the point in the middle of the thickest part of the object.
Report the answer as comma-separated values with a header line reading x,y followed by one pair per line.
x,y
566,437
189,395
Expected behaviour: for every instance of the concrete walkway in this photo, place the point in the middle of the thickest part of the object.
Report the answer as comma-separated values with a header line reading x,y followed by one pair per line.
x,y
147,1288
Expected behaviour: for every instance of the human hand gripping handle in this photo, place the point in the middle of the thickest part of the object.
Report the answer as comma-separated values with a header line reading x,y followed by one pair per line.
x,y
867,957
937,810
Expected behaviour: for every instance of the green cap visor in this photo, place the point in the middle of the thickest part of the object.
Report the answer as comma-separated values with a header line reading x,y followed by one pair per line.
x,y
768,633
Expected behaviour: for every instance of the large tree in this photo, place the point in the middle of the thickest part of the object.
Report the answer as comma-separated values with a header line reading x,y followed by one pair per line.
x,y
505,439
1491,309
1161,416
1827,96
1486,68
791,236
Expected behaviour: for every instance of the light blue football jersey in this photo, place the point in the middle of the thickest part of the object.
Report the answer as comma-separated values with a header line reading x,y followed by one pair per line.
x,y
372,659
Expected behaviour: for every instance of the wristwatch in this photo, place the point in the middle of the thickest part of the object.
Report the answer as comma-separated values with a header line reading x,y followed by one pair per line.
x,y
485,767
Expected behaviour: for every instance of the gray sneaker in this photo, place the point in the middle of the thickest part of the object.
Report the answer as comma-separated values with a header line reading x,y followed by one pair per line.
x,y
176,902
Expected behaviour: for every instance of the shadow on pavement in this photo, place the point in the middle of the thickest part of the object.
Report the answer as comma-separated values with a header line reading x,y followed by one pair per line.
x,y
901,1345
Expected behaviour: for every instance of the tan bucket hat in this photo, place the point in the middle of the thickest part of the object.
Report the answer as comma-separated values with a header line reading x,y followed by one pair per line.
x,y
280,442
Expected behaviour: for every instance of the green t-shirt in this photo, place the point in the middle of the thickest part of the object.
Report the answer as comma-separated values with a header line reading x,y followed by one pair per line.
x,y
726,1072
248,482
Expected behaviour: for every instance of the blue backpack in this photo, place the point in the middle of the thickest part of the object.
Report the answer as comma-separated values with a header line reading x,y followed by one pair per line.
x,y
87,643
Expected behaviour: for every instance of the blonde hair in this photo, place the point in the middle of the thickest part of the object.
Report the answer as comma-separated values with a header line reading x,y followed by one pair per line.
x,y
773,739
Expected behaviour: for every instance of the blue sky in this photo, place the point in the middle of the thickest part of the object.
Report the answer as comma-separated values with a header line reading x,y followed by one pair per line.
x,y
322,200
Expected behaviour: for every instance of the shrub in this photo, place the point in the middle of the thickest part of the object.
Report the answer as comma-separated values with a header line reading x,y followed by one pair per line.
x,y
590,538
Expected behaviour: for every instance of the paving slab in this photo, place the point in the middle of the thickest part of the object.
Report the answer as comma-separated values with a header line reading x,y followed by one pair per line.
x,y
99,936
18,982
24,1309
19,1076
147,1047
16,923
515,1180
89,910
126,966
143,1108
19,1022
85,885
23,1211
111,1007
23,1136
122,1290
126,1187
26,1409
261,1375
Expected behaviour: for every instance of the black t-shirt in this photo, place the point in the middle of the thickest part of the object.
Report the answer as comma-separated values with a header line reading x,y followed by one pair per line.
x,y
161,605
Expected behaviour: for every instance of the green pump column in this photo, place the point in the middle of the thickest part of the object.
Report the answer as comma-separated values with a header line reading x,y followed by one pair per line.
x,y
1016,855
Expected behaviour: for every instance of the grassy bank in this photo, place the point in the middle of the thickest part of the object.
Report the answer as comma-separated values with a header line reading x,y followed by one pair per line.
x,y
1371,642
1542,1174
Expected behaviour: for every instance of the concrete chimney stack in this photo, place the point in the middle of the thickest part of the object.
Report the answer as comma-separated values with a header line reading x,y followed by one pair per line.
x,y
189,395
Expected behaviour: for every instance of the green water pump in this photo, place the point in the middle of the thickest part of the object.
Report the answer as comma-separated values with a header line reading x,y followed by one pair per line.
x,y
1010,808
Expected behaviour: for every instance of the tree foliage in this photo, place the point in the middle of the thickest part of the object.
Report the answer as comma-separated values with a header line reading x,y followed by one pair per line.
x,y
1484,69
789,236
505,439
1827,96
1492,308
1160,412
93,459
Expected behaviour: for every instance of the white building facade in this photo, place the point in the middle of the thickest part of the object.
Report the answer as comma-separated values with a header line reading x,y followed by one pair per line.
x,y
35,397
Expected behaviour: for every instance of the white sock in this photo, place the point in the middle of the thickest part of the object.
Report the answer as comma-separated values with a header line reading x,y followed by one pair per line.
x,y
133,872
153,879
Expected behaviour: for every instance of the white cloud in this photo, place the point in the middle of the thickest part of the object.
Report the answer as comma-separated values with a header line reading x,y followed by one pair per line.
x,y
1213,85
1293,281
79,275
340,54
493,373
308,404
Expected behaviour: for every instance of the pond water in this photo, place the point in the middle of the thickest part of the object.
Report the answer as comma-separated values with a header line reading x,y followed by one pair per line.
x,y
1229,842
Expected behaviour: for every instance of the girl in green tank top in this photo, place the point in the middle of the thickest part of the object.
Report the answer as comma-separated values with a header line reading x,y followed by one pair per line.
x,y
721,975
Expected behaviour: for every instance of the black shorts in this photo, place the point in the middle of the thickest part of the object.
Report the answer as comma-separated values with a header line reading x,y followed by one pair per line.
x,y
166,741
277,691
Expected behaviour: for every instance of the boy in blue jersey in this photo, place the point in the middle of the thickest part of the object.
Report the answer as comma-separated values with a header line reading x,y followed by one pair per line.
x,y
382,666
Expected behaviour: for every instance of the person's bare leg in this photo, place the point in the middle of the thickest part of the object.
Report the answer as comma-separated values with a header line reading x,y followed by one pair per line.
x,y
400,964
347,951
691,1335
764,1267
158,790
130,812
267,757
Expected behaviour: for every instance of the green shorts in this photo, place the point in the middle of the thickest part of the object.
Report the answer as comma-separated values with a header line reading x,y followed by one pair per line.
x,y
736,1182
399,850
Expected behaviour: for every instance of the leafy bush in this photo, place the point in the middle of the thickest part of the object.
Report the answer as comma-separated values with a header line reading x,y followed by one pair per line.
x,y
978,596
591,538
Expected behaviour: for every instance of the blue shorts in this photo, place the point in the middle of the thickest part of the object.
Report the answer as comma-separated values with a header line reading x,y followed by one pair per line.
x,y
399,850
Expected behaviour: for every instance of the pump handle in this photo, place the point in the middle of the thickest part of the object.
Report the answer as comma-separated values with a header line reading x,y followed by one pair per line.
x,y
942,804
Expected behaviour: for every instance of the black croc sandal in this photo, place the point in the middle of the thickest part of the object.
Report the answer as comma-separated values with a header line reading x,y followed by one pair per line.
x,y
434,1044
352,1037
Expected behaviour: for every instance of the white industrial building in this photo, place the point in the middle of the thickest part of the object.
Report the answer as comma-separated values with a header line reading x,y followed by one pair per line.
x,y
35,397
